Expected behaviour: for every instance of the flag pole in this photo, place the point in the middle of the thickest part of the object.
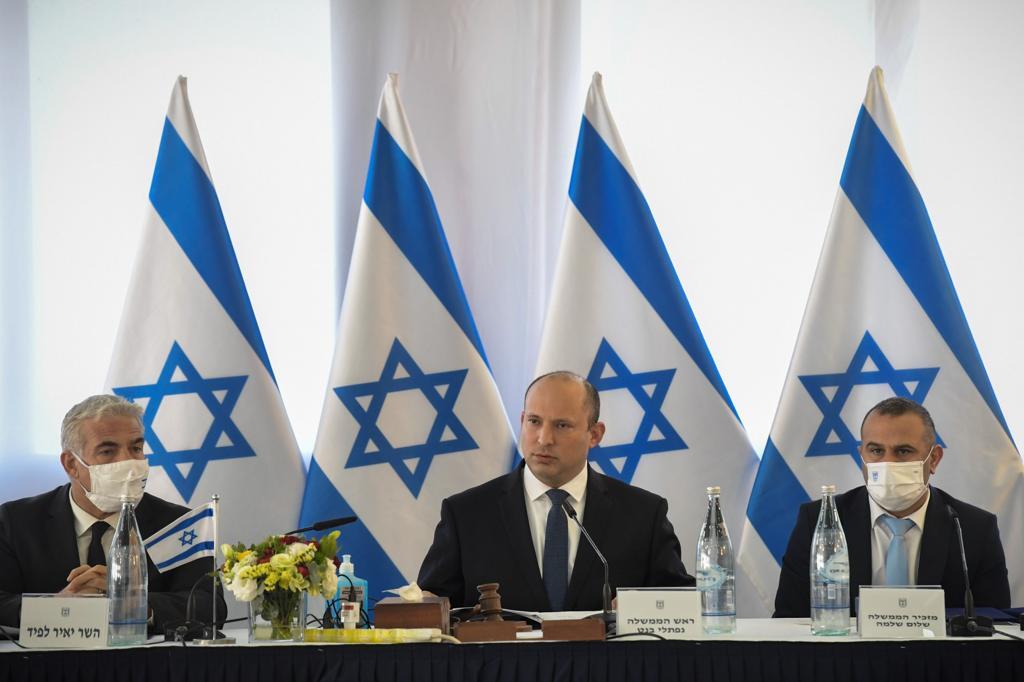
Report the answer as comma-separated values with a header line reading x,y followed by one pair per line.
x,y
215,501
215,504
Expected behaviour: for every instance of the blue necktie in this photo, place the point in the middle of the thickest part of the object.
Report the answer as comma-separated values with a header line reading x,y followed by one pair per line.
x,y
897,571
95,556
556,551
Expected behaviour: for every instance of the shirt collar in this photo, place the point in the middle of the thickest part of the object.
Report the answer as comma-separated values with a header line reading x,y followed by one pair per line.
x,y
917,517
535,488
84,520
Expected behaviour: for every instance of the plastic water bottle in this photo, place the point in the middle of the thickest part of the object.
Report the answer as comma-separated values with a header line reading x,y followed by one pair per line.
x,y
127,582
354,592
716,574
830,571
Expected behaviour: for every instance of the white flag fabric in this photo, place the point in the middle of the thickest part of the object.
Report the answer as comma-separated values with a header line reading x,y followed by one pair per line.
x,y
883,319
189,351
412,413
618,316
185,539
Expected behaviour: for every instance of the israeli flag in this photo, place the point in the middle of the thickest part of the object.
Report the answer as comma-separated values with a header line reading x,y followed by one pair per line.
x,y
412,413
883,319
190,352
618,316
186,539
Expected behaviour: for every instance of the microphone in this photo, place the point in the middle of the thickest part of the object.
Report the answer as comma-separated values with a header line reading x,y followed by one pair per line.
x,y
323,525
607,614
967,625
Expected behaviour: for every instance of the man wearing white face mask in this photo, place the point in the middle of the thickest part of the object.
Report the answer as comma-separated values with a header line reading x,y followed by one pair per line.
x,y
58,542
898,528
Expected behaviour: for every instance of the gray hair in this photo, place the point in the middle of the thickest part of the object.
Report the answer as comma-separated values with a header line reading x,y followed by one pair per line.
x,y
591,398
93,407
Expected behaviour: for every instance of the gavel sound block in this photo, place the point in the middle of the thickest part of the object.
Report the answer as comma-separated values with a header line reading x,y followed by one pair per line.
x,y
395,612
493,628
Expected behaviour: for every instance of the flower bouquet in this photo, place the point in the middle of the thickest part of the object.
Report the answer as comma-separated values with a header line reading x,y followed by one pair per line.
x,y
276,575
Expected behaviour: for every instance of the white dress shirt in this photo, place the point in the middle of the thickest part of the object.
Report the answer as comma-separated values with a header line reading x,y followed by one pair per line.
x,y
538,504
881,535
83,530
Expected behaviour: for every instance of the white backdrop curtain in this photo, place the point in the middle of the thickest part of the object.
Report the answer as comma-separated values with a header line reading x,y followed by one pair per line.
x,y
493,96
736,116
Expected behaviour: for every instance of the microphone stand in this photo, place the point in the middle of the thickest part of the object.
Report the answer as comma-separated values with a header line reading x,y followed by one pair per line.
x,y
969,624
607,614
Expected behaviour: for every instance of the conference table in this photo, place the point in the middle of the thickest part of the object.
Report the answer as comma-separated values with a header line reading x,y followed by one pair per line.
x,y
760,650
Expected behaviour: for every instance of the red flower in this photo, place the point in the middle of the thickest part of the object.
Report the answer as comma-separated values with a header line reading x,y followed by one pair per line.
x,y
303,571
290,539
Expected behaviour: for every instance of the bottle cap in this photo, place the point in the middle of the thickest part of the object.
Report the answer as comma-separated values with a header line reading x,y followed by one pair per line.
x,y
125,499
714,490
828,489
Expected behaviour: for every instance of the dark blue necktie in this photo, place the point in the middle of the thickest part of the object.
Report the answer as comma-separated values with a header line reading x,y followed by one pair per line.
x,y
556,551
95,555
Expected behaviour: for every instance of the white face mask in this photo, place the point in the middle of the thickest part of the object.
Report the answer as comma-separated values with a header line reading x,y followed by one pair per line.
x,y
110,481
895,486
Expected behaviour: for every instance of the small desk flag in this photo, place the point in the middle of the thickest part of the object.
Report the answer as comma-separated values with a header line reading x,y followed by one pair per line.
x,y
186,539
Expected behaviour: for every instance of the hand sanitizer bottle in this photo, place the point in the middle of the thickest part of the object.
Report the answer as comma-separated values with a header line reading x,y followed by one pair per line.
x,y
351,588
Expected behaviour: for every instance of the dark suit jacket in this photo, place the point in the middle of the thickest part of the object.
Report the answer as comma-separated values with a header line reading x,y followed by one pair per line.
x,y
484,536
38,548
938,563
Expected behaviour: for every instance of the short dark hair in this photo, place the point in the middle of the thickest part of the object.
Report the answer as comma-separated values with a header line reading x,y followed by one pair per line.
x,y
897,407
591,399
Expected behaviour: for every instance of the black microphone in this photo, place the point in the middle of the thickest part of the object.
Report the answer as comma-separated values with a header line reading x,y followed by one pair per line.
x,y
607,615
322,525
967,625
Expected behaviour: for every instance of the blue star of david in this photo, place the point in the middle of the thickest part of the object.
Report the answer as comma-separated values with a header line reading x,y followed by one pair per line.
x,y
447,434
187,537
649,390
221,428
899,380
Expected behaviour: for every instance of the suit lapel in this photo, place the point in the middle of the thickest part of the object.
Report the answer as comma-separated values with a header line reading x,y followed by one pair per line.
x,y
512,506
60,526
597,515
935,538
857,527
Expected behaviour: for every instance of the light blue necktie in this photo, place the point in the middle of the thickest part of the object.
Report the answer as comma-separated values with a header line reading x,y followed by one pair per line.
x,y
556,550
897,571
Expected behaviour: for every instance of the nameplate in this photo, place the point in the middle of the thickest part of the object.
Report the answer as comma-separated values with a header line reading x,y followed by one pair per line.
x,y
49,621
669,612
902,612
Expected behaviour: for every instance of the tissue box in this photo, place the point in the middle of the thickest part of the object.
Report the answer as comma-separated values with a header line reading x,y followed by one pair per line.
x,y
394,612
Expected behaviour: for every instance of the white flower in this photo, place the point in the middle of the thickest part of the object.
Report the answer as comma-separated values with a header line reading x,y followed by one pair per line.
x,y
329,583
244,589
297,548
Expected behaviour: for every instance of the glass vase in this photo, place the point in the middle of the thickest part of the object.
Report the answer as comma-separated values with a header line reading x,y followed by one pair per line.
x,y
280,616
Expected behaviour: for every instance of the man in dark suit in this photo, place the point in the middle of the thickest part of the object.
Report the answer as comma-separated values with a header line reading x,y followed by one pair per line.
x,y
898,528
58,542
513,531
